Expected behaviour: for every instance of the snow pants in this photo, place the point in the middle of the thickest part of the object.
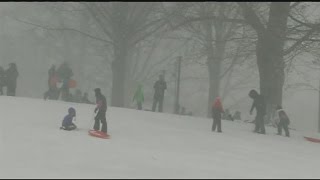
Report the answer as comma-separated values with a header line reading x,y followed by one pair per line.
x,y
157,100
216,122
100,117
69,128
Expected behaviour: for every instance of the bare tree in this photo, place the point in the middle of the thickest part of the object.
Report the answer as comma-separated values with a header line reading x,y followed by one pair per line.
x,y
272,45
215,35
125,24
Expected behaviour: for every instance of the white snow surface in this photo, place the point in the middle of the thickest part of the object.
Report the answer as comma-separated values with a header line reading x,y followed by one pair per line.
x,y
143,145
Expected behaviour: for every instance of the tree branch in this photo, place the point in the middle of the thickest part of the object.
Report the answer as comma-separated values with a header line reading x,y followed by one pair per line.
x,y
251,17
204,18
64,29
304,38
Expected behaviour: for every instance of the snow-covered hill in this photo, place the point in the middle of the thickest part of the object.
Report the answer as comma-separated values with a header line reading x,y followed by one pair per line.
x,y
143,145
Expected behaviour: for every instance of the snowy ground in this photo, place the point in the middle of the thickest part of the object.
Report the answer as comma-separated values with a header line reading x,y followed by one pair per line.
x,y
143,145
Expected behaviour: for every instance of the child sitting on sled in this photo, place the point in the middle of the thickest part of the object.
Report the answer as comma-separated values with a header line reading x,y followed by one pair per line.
x,y
67,123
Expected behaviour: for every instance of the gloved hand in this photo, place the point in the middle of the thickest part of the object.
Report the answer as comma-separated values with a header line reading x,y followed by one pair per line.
x,y
95,110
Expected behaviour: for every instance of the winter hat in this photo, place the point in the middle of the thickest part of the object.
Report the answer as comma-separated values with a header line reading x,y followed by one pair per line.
x,y
72,110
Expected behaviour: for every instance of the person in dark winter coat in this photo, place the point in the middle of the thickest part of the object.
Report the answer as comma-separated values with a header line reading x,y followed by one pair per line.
x,y
282,121
51,73
101,108
159,86
67,123
65,73
260,106
11,79
53,92
217,109
2,80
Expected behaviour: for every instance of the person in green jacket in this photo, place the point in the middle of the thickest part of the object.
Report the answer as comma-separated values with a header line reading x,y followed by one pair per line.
x,y
138,97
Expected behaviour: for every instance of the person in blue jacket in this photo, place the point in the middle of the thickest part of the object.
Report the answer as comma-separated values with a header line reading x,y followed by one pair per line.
x,y
67,123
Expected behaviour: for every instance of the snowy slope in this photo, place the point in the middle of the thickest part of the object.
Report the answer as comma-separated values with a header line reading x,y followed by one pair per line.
x,y
143,145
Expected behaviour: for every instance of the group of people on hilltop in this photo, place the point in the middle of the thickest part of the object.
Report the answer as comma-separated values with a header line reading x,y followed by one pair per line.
x,y
58,82
8,79
282,119
160,86
59,85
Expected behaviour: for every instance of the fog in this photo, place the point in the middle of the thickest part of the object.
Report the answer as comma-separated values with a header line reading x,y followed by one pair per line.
x,y
35,35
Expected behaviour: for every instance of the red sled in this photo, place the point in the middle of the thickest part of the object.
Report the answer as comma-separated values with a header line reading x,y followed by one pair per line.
x,y
312,139
99,134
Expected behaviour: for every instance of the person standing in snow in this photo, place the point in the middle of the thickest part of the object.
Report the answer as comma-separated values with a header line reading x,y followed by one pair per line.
x,y
67,123
51,73
282,121
53,92
159,86
64,73
11,79
260,106
217,109
101,108
139,97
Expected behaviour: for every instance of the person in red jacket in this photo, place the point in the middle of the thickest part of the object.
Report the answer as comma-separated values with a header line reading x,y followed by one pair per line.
x,y
217,109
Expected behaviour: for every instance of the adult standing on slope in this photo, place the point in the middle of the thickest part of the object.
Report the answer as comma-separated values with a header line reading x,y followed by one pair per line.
x,y
159,87
53,92
260,106
217,109
65,73
101,108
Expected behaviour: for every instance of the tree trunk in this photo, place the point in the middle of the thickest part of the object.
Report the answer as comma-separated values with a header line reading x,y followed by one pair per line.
x,y
214,83
270,56
119,66
119,74
214,60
